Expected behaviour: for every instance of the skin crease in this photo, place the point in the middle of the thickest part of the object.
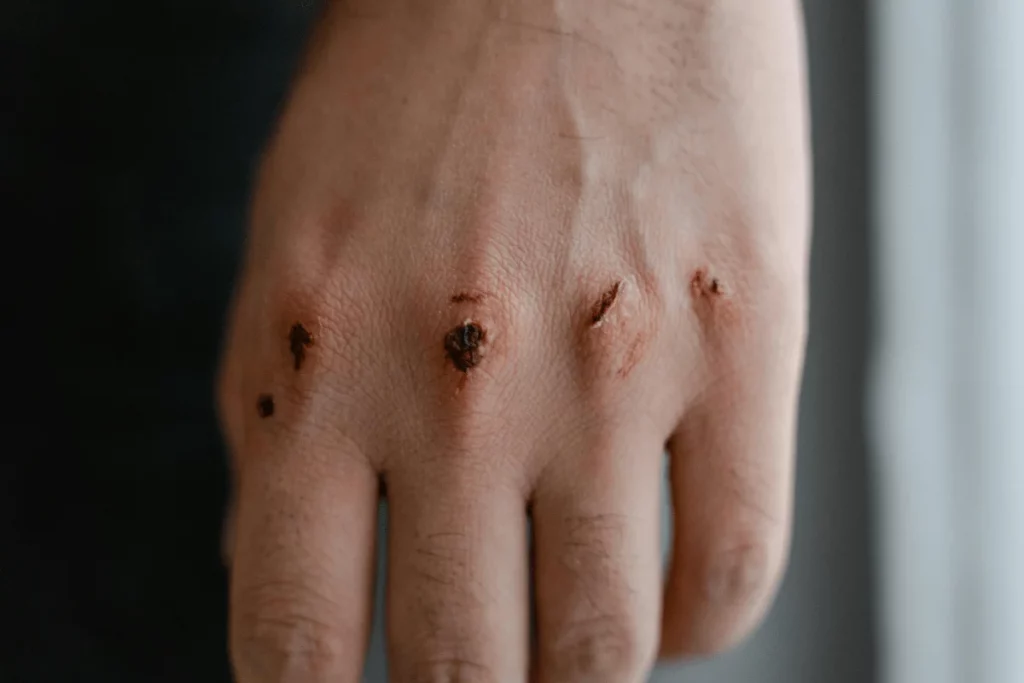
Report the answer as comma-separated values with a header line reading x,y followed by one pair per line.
x,y
615,193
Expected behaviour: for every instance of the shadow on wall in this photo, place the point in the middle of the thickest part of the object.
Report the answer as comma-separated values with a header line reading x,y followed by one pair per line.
x,y
129,133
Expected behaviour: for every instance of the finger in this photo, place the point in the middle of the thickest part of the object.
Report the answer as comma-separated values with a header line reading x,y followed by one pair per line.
x,y
731,482
302,575
457,584
598,572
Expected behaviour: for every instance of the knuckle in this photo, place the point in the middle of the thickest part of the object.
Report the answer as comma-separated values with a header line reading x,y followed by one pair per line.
x,y
334,319
733,586
745,301
298,354
738,575
279,637
481,329
605,648
450,670
619,323
596,536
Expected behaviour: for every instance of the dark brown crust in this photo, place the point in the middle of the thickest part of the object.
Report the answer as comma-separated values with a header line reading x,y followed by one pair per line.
x,y
466,297
265,405
600,308
299,339
463,345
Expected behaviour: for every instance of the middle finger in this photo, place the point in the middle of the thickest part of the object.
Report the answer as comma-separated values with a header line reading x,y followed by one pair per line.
x,y
457,586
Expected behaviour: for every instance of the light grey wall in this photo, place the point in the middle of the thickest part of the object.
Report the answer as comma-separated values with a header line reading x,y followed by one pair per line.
x,y
821,629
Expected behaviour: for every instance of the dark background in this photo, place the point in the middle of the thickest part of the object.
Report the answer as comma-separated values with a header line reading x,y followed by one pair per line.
x,y
129,133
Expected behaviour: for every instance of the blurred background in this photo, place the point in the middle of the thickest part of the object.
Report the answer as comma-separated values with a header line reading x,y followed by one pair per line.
x,y
129,132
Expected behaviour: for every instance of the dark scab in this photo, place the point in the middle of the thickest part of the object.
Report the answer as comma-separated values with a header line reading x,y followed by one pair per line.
x,y
704,285
299,340
463,344
265,405
466,297
604,303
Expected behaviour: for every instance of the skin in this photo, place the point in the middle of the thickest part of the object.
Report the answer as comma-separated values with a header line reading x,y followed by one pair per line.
x,y
615,193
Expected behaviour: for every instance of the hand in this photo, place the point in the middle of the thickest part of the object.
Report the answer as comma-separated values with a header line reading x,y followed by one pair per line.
x,y
500,255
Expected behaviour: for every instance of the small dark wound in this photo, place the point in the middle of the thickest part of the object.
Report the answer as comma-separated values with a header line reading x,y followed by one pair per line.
x,y
604,303
466,297
299,339
462,345
265,405
703,285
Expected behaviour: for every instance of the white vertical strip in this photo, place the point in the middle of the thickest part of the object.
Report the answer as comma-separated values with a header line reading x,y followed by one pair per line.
x,y
993,353
913,427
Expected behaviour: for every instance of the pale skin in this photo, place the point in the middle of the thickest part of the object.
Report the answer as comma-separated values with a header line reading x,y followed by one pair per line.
x,y
534,244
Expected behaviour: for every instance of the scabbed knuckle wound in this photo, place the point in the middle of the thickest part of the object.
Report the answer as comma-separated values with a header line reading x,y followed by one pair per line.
x,y
465,344
617,327
313,334
474,334
299,340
